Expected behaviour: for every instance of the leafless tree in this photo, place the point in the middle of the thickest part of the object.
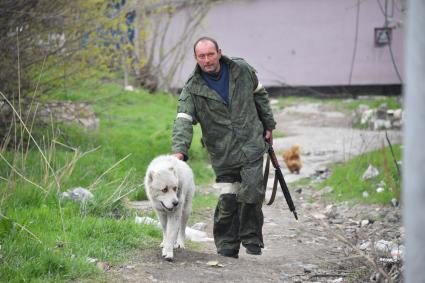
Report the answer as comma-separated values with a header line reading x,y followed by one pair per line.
x,y
157,65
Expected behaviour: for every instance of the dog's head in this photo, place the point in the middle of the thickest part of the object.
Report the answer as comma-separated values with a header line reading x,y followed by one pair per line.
x,y
296,149
163,188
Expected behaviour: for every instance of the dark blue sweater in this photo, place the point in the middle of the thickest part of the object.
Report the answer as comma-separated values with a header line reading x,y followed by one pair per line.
x,y
219,82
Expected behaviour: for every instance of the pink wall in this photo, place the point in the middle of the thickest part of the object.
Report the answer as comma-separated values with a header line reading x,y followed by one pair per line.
x,y
302,42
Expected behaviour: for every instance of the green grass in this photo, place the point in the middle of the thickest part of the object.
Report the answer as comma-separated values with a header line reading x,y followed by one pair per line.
x,y
346,179
346,105
205,201
373,102
203,207
278,134
44,239
59,238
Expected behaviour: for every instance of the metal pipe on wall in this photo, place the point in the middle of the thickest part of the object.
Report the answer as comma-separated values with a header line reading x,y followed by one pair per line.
x,y
414,152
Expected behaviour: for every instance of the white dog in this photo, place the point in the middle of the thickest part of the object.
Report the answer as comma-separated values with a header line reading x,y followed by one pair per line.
x,y
170,187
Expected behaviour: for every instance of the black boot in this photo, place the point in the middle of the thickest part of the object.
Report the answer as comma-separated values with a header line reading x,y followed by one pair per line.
x,y
229,253
253,249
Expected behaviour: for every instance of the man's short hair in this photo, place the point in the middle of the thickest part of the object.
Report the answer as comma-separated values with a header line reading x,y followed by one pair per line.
x,y
205,38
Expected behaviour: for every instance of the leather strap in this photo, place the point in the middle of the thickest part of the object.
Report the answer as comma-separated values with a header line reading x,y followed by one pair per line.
x,y
272,197
265,180
266,173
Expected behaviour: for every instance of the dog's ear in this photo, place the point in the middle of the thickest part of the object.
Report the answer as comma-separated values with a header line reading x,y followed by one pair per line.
x,y
150,176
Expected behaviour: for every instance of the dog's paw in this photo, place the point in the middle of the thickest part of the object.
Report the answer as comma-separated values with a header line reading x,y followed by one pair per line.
x,y
179,245
168,256
162,244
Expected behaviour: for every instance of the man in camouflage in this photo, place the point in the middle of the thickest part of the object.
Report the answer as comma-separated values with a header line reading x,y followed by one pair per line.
x,y
225,97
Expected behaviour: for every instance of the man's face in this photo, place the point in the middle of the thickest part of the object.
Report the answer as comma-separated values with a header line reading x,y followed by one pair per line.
x,y
208,57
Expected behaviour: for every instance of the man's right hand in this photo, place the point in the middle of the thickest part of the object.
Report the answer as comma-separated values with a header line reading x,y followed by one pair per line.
x,y
268,136
179,155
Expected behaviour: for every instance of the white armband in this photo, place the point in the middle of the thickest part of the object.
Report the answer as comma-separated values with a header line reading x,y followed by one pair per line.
x,y
259,87
185,116
228,188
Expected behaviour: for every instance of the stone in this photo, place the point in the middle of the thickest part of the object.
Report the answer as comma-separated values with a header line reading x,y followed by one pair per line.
x,y
321,169
319,216
398,114
364,222
284,275
191,234
375,277
308,268
146,220
365,246
380,190
384,246
78,194
129,88
397,124
197,236
366,116
337,221
392,218
370,173
381,112
67,112
394,202
331,211
379,124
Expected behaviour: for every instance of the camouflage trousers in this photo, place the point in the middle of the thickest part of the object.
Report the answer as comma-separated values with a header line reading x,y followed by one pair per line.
x,y
238,217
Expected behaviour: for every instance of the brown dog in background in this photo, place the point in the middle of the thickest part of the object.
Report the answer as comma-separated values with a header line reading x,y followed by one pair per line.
x,y
292,159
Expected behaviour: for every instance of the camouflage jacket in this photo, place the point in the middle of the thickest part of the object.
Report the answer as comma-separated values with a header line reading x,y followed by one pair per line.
x,y
233,134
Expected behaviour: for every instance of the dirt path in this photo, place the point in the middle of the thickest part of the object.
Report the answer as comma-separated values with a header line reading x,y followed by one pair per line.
x,y
304,251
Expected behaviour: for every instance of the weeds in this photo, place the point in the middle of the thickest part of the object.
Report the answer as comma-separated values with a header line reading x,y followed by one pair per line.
x,y
346,179
45,238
